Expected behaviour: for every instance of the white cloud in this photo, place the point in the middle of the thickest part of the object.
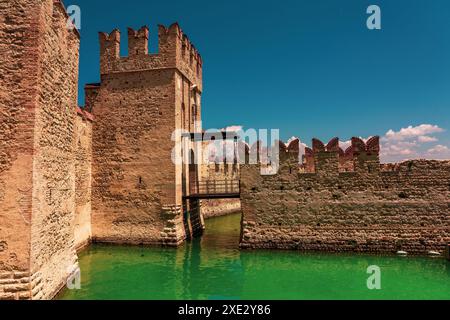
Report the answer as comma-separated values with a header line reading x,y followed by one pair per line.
x,y
438,152
409,143
412,132
232,128
425,139
345,144
439,149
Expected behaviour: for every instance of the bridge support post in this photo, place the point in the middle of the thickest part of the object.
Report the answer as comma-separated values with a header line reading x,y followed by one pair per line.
x,y
187,220
196,218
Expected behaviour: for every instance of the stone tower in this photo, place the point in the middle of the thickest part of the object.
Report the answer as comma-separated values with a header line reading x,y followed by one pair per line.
x,y
137,192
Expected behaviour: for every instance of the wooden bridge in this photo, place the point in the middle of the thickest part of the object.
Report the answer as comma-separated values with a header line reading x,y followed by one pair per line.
x,y
214,189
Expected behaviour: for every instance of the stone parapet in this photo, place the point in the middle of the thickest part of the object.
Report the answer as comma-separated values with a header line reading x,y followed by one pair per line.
x,y
374,208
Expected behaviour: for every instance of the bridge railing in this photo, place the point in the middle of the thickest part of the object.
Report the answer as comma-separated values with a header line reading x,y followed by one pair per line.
x,y
215,187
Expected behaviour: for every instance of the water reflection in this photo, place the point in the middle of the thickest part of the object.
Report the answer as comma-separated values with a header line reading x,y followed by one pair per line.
x,y
213,259
213,268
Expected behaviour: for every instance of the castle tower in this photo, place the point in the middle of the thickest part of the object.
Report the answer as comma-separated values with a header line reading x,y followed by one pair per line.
x,y
141,100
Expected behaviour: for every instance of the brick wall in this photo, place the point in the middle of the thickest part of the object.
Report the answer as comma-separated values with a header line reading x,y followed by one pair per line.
x,y
37,193
220,207
83,176
53,255
137,189
18,67
375,208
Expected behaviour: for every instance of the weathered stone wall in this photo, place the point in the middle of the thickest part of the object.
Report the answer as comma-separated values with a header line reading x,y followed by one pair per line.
x,y
83,176
370,210
134,122
18,90
175,52
37,185
53,256
137,189
220,207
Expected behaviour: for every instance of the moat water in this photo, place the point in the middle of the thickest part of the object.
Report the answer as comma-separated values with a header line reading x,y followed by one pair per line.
x,y
213,267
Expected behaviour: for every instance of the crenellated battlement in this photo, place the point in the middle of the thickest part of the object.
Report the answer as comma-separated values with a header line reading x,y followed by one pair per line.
x,y
189,53
373,208
175,51
138,41
327,159
109,50
404,207
360,155
366,155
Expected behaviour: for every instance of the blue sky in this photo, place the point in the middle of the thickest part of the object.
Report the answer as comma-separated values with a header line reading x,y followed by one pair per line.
x,y
309,68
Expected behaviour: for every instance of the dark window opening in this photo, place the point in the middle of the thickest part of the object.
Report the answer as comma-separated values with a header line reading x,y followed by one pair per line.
x,y
183,111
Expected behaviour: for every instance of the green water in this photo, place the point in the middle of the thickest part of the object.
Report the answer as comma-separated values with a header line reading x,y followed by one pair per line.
x,y
213,268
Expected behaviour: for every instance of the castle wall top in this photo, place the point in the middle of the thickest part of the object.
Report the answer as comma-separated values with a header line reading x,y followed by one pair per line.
x,y
360,156
330,158
359,161
175,51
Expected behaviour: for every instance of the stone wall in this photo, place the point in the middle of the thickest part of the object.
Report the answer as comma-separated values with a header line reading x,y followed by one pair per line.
x,y
37,167
53,256
374,208
18,90
141,100
83,176
220,207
